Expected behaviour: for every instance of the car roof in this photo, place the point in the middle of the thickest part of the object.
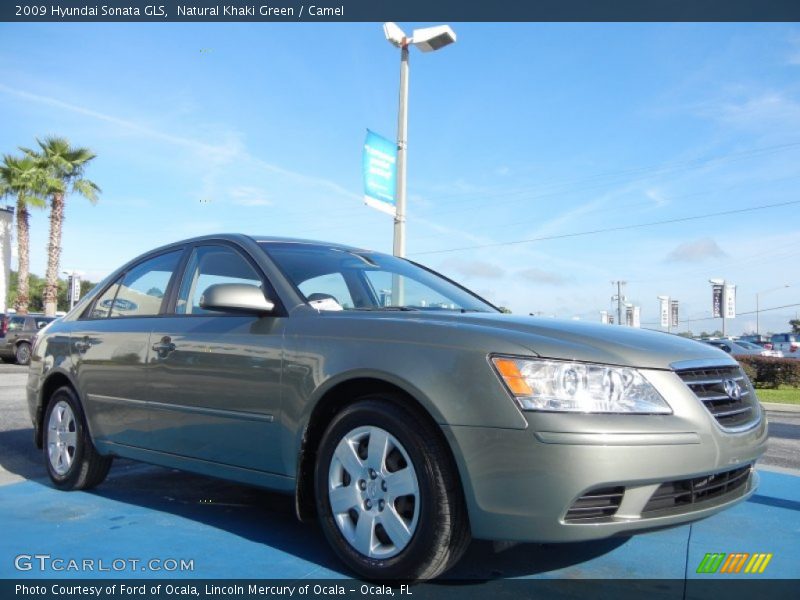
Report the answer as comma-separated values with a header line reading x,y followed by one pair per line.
x,y
261,239
285,240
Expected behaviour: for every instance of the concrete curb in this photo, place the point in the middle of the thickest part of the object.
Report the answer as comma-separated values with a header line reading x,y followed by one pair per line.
x,y
776,407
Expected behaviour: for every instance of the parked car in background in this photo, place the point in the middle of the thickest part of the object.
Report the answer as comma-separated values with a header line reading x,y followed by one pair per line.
x,y
17,333
741,348
788,343
402,410
759,339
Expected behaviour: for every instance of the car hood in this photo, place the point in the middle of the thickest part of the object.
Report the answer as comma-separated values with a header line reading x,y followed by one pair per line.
x,y
591,342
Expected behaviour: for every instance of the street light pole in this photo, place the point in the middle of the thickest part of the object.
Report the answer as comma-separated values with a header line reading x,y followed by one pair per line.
x,y
619,298
427,39
758,329
402,142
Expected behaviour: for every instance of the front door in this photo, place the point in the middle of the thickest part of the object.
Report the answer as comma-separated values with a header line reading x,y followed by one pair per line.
x,y
214,379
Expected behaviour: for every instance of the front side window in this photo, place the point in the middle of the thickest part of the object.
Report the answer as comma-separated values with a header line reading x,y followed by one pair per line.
x,y
102,306
139,292
211,265
16,323
342,279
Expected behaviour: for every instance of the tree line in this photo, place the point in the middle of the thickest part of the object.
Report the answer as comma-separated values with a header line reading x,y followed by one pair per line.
x,y
42,178
36,292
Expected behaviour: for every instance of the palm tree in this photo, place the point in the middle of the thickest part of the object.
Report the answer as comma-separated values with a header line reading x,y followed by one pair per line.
x,y
65,166
24,179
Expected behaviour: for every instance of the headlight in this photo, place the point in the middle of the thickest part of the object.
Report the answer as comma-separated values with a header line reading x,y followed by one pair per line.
x,y
569,386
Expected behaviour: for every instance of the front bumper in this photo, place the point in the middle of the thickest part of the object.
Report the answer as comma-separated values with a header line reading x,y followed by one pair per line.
x,y
520,484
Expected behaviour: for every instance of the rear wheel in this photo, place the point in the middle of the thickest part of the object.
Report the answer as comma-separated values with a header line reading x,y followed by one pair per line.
x,y
23,353
387,493
72,461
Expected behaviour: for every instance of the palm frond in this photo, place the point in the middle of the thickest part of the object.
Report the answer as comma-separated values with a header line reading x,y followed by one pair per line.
x,y
64,161
86,188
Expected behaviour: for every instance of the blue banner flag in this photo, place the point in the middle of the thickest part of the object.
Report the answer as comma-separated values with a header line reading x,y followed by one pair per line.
x,y
380,173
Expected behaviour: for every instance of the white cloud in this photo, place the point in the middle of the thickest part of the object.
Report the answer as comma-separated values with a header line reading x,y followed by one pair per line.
x,y
696,251
535,275
219,154
658,197
249,196
760,112
475,268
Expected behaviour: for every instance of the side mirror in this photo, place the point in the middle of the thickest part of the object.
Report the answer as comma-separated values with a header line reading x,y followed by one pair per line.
x,y
236,297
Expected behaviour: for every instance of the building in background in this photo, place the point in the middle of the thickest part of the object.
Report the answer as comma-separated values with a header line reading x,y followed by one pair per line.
x,y
6,221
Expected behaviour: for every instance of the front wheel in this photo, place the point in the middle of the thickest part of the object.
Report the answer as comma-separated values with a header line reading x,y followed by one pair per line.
x,y
72,461
387,493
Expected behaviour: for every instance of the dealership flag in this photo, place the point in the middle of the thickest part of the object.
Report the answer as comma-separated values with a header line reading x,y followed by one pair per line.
x,y
673,305
380,173
664,311
74,288
730,301
716,300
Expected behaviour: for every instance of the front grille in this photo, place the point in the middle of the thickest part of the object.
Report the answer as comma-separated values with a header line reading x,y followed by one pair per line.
x,y
597,505
691,493
708,384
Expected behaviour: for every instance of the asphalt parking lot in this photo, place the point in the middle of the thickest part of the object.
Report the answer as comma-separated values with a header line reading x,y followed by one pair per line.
x,y
231,531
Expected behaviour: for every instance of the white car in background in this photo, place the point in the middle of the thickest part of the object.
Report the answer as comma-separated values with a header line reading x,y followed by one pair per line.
x,y
788,343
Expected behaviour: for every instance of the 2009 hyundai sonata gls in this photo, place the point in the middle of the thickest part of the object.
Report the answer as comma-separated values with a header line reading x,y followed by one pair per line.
x,y
403,410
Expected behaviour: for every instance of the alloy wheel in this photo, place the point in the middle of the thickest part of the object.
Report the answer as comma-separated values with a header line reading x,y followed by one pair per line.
x,y
374,492
62,438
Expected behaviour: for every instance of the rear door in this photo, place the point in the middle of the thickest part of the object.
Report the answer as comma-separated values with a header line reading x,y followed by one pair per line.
x,y
111,350
215,378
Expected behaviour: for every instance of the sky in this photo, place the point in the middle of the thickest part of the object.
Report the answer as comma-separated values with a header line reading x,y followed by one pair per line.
x,y
545,160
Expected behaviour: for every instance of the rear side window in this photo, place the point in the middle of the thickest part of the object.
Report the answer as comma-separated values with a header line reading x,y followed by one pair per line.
x,y
139,292
16,323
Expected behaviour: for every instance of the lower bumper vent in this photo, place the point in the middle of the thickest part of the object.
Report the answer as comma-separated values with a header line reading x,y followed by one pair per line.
x,y
596,505
689,493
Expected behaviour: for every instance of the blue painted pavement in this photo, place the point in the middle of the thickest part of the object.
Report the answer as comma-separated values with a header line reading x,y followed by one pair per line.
x,y
232,531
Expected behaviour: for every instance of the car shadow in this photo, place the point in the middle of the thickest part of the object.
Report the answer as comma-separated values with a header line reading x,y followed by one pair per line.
x,y
247,512
19,455
483,560
268,518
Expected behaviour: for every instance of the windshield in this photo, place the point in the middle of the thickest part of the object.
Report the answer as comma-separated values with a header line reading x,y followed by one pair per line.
x,y
340,279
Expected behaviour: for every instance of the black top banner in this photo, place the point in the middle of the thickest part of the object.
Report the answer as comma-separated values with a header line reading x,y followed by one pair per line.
x,y
398,10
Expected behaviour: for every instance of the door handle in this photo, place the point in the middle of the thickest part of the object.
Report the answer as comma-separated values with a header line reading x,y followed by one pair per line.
x,y
83,345
164,347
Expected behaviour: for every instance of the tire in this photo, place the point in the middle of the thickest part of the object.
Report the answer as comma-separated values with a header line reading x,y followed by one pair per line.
x,y
72,461
22,354
404,536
